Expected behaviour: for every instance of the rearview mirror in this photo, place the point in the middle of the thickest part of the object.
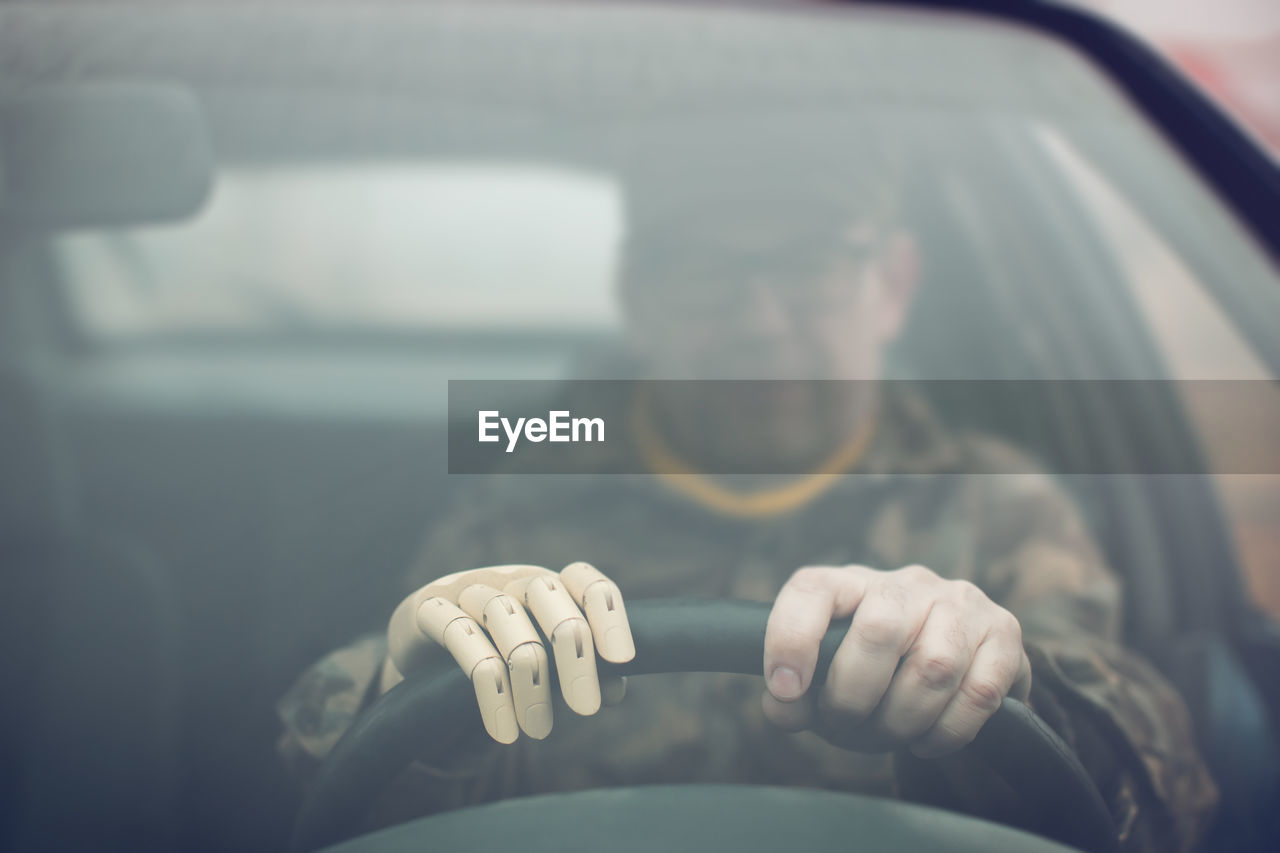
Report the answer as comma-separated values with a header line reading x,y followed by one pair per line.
x,y
101,154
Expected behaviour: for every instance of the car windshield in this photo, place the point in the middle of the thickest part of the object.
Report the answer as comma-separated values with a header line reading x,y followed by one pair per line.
x,y
305,305
423,203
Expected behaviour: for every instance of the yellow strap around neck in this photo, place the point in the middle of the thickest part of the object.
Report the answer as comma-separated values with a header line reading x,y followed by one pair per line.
x,y
679,476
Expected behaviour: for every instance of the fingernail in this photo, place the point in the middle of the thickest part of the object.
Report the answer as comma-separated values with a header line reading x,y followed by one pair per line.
x,y
784,682
537,720
617,640
504,728
586,695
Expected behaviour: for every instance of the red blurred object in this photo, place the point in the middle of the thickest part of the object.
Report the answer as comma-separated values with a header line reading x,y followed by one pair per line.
x,y
1244,75
1230,48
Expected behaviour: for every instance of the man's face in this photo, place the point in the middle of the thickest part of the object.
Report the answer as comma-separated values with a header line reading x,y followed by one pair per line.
x,y
773,292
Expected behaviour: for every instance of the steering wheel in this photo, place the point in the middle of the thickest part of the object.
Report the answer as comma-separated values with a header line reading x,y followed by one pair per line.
x,y
686,636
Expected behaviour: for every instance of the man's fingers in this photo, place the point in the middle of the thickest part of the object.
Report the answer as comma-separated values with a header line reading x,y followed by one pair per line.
x,y
520,647
997,665
790,716
462,636
801,614
929,675
601,601
925,661
570,635
885,624
1021,689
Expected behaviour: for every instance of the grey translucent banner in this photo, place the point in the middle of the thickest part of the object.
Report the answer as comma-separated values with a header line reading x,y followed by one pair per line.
x,y
792,427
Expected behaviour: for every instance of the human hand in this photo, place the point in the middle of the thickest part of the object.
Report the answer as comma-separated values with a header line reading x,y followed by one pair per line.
x,y
925,662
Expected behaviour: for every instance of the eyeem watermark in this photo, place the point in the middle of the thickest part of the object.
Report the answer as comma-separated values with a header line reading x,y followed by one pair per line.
x,y
558,426
538,426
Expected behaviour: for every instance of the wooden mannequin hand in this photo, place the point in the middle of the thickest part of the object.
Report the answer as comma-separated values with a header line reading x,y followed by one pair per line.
x,y
481,617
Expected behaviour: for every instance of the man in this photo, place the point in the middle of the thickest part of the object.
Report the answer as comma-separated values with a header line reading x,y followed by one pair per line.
x,y
769,259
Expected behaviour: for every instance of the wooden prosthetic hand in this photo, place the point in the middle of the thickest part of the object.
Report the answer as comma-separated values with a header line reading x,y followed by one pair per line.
x,y
481,617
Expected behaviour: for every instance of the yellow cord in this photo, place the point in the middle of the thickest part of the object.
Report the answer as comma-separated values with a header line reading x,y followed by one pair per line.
x,y
679,476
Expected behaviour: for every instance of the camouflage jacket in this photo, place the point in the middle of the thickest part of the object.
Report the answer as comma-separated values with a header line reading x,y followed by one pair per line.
x,y
1017,536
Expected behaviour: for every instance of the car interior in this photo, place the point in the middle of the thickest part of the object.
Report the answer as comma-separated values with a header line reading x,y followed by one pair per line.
x,y
190,518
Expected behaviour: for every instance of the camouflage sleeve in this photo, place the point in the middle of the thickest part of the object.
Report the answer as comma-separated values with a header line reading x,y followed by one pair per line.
x,y
326,699
1128,725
